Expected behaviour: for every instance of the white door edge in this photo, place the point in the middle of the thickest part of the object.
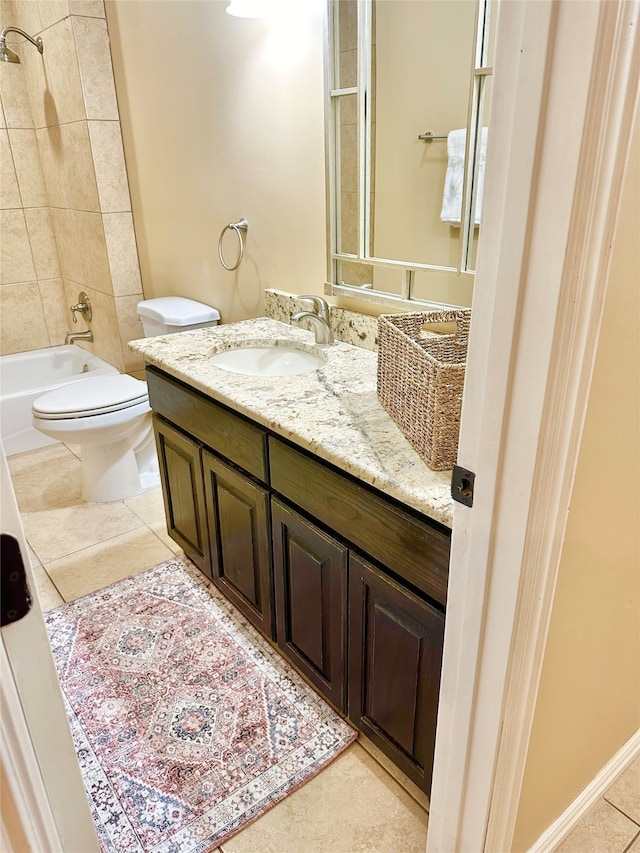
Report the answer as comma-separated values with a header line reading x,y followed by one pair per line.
x,y
563,103
21,769
42,766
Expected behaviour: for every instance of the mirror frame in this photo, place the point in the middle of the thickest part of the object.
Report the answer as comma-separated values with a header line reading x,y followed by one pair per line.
x,y
480,70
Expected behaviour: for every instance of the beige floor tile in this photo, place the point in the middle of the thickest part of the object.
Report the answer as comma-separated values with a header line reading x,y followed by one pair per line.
x,y
33,556
635,847
624,794
602,830
60,531
101,565
352,806
149,507
47,593
410,787
35,460
53,481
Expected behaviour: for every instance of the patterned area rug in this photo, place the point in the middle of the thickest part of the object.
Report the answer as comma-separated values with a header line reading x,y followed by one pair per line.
x,y
187,724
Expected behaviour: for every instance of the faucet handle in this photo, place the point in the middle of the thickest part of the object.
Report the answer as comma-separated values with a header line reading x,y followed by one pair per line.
x,y
320,306
83,306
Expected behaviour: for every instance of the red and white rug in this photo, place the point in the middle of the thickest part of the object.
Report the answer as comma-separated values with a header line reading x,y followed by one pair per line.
x,y
187,724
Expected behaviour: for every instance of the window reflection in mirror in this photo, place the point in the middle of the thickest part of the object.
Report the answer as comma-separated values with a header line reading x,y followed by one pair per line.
x,y
400,69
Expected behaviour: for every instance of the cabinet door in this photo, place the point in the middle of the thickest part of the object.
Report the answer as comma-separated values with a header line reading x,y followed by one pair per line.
x,y
395,658
240,533
310,574
183,492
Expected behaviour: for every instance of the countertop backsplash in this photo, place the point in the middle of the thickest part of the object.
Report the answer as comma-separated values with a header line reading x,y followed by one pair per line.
x,y
351,327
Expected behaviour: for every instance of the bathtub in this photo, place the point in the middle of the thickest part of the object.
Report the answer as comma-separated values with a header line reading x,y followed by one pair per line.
x,y
25,376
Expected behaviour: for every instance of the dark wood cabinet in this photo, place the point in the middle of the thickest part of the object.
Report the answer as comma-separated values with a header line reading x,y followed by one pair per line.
x,y
288,538
183,492
395,658
240,536
310,575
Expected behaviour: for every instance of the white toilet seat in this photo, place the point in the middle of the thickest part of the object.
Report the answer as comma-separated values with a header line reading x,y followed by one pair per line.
x,y
101,395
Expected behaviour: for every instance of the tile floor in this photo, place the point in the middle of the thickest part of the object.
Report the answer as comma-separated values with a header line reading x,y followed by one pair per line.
x,y
77,548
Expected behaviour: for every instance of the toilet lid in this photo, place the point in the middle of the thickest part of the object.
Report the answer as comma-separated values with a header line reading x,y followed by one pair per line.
x,y
96,396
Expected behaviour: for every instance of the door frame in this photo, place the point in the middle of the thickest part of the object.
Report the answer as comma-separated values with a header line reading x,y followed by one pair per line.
x,y
563,105
38,755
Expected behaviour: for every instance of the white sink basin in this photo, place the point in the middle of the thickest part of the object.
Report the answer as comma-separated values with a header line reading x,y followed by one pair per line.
x,y
278,359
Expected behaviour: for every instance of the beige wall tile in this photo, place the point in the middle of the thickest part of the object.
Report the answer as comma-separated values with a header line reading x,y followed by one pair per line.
x,y
130,329
62,79
26,15
111,173
52,158
43,242
15,97
100,565
90,8
122,253
9,192
52,11
349,158
104,325
65,228
96,71
3,121
67,164
26,156
56,313
16,262
42,105
82,248
79,175
23,326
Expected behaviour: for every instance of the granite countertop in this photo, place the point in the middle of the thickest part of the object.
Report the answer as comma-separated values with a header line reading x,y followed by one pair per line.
x,y
333,411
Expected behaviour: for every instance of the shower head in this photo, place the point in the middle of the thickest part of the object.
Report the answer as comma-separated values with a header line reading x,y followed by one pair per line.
x,y
7,55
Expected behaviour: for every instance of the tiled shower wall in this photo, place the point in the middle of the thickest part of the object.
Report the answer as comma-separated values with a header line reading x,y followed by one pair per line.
x,y
66,222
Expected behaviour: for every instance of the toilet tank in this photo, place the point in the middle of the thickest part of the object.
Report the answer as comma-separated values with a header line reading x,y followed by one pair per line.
x,y
168,314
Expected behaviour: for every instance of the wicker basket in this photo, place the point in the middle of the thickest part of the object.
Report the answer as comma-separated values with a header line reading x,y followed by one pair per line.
x,y
420,380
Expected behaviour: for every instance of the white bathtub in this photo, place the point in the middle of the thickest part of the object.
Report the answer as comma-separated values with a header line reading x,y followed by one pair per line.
x,y
26,376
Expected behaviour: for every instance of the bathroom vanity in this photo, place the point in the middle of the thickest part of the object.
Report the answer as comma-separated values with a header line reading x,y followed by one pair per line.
x,y
306,507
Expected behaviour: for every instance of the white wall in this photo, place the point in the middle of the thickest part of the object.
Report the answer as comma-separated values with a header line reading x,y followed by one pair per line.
x,y
218,125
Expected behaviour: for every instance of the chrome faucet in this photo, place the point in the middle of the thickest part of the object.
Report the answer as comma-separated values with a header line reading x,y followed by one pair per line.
x,y
70,337
321,328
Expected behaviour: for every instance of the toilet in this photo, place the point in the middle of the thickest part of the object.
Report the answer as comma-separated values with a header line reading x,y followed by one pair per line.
x,y
110,416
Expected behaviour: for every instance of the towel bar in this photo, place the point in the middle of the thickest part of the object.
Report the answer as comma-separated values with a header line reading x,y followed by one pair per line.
x,y
239,228
429,137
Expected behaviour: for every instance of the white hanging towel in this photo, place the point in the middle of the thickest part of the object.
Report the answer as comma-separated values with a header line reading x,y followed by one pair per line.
x,y
454,178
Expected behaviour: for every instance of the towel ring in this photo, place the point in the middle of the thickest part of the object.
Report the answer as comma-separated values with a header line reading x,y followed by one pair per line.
x,y
239,228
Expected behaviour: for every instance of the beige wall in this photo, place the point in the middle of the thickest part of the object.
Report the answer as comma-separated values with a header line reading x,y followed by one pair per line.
x,y
589,700
218,125
67,223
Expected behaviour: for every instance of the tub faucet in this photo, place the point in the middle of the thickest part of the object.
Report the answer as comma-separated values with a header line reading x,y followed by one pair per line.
x,y
321,328
70,337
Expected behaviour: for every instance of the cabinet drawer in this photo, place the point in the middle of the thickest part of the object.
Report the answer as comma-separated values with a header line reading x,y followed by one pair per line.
x,y
231,436
414,550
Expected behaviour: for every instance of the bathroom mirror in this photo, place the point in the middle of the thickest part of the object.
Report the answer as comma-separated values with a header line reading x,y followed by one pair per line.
x,y
403,216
